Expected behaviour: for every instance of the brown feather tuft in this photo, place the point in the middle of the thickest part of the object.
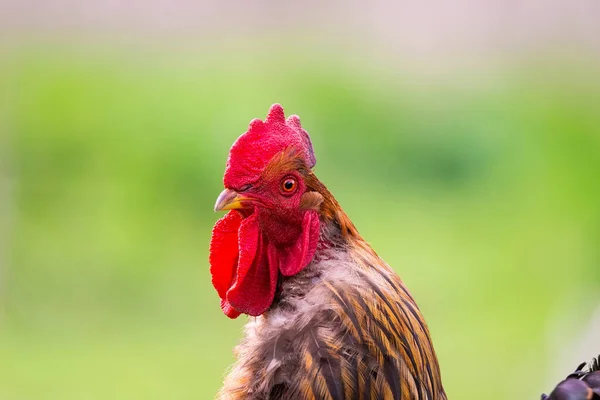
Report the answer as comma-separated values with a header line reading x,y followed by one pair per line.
x,y
311,201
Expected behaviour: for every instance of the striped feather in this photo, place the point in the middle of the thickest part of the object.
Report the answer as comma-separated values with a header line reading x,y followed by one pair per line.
x,y
344,328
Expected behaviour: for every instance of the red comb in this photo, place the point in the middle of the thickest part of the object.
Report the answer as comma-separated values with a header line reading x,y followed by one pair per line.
x,y
253,150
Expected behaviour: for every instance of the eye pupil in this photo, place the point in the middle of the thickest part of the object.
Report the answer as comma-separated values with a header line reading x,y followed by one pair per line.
x,y
289,185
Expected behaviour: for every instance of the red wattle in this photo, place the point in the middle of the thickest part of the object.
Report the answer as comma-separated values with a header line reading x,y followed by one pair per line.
x,y
229,310
292,259
254,288
245,266
223,256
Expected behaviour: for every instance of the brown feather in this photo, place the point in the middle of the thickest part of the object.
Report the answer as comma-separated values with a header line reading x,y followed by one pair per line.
x,y
344,328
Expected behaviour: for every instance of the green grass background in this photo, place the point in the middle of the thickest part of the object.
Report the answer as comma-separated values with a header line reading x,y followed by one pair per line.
x,y
481,190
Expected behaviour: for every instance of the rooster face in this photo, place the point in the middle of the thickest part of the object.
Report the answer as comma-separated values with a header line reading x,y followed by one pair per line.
x,y
277,193
272,227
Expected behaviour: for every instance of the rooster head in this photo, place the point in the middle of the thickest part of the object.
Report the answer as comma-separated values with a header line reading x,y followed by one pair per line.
x,y
272,227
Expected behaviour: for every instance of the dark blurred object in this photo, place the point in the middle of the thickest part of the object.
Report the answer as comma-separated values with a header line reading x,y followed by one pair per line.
x,y
580,385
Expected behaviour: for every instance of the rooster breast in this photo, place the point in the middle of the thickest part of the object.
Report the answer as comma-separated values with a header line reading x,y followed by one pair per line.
x,y
343,328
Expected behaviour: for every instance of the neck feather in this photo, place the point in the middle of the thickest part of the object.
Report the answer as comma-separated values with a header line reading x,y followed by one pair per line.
x,y
331,212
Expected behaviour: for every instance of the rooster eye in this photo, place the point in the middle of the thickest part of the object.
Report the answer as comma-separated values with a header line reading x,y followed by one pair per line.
x,y
288,185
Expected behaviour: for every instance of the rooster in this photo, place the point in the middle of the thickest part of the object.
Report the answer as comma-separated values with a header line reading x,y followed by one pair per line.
x,y
333,320
580,385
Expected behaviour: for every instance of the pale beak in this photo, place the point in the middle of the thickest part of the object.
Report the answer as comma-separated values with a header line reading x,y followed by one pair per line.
x,y
229,200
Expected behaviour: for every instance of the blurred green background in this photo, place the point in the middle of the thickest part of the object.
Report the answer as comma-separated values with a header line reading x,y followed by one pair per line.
x,y
480,185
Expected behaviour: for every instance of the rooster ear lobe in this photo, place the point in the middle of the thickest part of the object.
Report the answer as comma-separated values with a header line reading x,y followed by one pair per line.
x,y
311,201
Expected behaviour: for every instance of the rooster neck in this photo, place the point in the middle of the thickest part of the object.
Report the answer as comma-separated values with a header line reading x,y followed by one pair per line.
x,y
345,292
339,252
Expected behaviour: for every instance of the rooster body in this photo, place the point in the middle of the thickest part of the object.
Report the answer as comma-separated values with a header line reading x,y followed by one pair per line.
x,y
337,322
